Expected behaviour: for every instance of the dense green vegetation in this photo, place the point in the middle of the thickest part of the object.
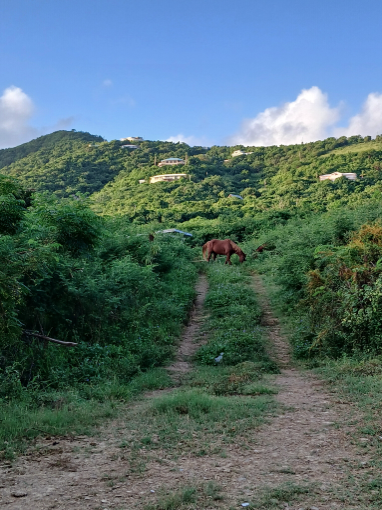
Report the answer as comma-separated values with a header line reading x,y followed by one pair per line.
x,y
270,179
82,269
68,275
9,156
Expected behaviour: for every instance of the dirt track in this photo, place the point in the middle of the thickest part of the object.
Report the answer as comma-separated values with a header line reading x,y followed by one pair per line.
x,y
302,445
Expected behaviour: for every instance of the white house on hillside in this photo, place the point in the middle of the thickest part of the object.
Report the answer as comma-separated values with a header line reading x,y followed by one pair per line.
x,y
167,177
240,153
172,161
337,175
132,139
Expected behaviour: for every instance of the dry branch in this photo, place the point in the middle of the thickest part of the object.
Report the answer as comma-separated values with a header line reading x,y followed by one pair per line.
x,y
54,340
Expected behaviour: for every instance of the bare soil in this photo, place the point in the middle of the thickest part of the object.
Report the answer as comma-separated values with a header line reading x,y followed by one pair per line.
x,y
191,339
306,444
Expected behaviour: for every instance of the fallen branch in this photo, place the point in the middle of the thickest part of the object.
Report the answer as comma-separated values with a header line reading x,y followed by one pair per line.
x,y
54,340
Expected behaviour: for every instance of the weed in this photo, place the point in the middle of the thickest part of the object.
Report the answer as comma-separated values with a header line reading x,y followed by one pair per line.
x,y
241,379
192,498
286,493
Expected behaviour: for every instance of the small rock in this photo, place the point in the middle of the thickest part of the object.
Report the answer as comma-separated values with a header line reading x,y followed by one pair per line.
x,y
363,439
313,508
19,494
245,504
93,444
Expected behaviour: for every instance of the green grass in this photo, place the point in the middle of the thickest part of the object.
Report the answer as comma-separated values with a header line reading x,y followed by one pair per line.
x,y
190,421
246,378
366,146
69,412
233,326
190,498
276,497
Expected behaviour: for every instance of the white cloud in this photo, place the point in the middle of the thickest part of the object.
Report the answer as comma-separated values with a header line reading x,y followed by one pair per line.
x,y
189,140
368,121
308,118
16,109
107,83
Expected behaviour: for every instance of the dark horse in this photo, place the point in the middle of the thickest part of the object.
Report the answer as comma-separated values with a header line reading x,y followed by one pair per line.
x,y
226,247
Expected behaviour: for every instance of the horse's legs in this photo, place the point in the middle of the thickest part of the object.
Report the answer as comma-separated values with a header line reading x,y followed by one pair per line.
x,y
209,255
215,255
228,259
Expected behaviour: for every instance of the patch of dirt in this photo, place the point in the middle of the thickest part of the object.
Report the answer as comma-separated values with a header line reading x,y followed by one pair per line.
x,y
190,341
303,445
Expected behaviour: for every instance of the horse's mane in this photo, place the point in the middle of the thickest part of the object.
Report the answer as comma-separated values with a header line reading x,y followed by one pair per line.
x,y
236,248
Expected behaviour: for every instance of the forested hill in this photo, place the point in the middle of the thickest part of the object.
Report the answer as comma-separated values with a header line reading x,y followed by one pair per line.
x,y
278,178
9,156
274,178
63,162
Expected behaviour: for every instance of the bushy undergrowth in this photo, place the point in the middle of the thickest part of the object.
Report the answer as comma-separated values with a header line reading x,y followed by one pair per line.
x,y
66,274
233,326
328,274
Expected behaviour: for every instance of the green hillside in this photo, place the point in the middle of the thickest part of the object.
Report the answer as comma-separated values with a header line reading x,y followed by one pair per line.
x,y
270,178
274,178
9,156
64,163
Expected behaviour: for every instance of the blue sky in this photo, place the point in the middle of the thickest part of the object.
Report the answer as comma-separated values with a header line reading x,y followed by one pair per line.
x,y
207,71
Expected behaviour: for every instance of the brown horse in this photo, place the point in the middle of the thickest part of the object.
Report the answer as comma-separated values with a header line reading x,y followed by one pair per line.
x,y
226,247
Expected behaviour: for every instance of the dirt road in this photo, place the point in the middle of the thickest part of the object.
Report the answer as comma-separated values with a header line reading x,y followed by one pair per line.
x,y
304,447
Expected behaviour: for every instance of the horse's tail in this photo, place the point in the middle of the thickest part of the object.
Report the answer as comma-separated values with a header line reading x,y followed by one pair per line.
x,y
205,247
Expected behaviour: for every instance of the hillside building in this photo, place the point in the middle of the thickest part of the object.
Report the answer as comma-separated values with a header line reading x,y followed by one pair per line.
x,y
167,177
141,181
240,153
172,161
129,146
336,175
132,139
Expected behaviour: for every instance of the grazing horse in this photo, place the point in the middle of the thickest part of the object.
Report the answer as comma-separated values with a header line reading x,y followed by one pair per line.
x,y
226,247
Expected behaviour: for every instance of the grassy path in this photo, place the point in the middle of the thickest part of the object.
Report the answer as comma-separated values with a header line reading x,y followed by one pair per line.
x,y
213,441
308,446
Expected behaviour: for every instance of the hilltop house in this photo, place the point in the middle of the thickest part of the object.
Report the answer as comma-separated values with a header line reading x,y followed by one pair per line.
x,y
129,146
172,161
166,177
336,175
240,153
132,139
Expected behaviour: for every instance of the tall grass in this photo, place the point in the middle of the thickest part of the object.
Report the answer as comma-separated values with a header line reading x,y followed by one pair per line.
x,y
233,326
